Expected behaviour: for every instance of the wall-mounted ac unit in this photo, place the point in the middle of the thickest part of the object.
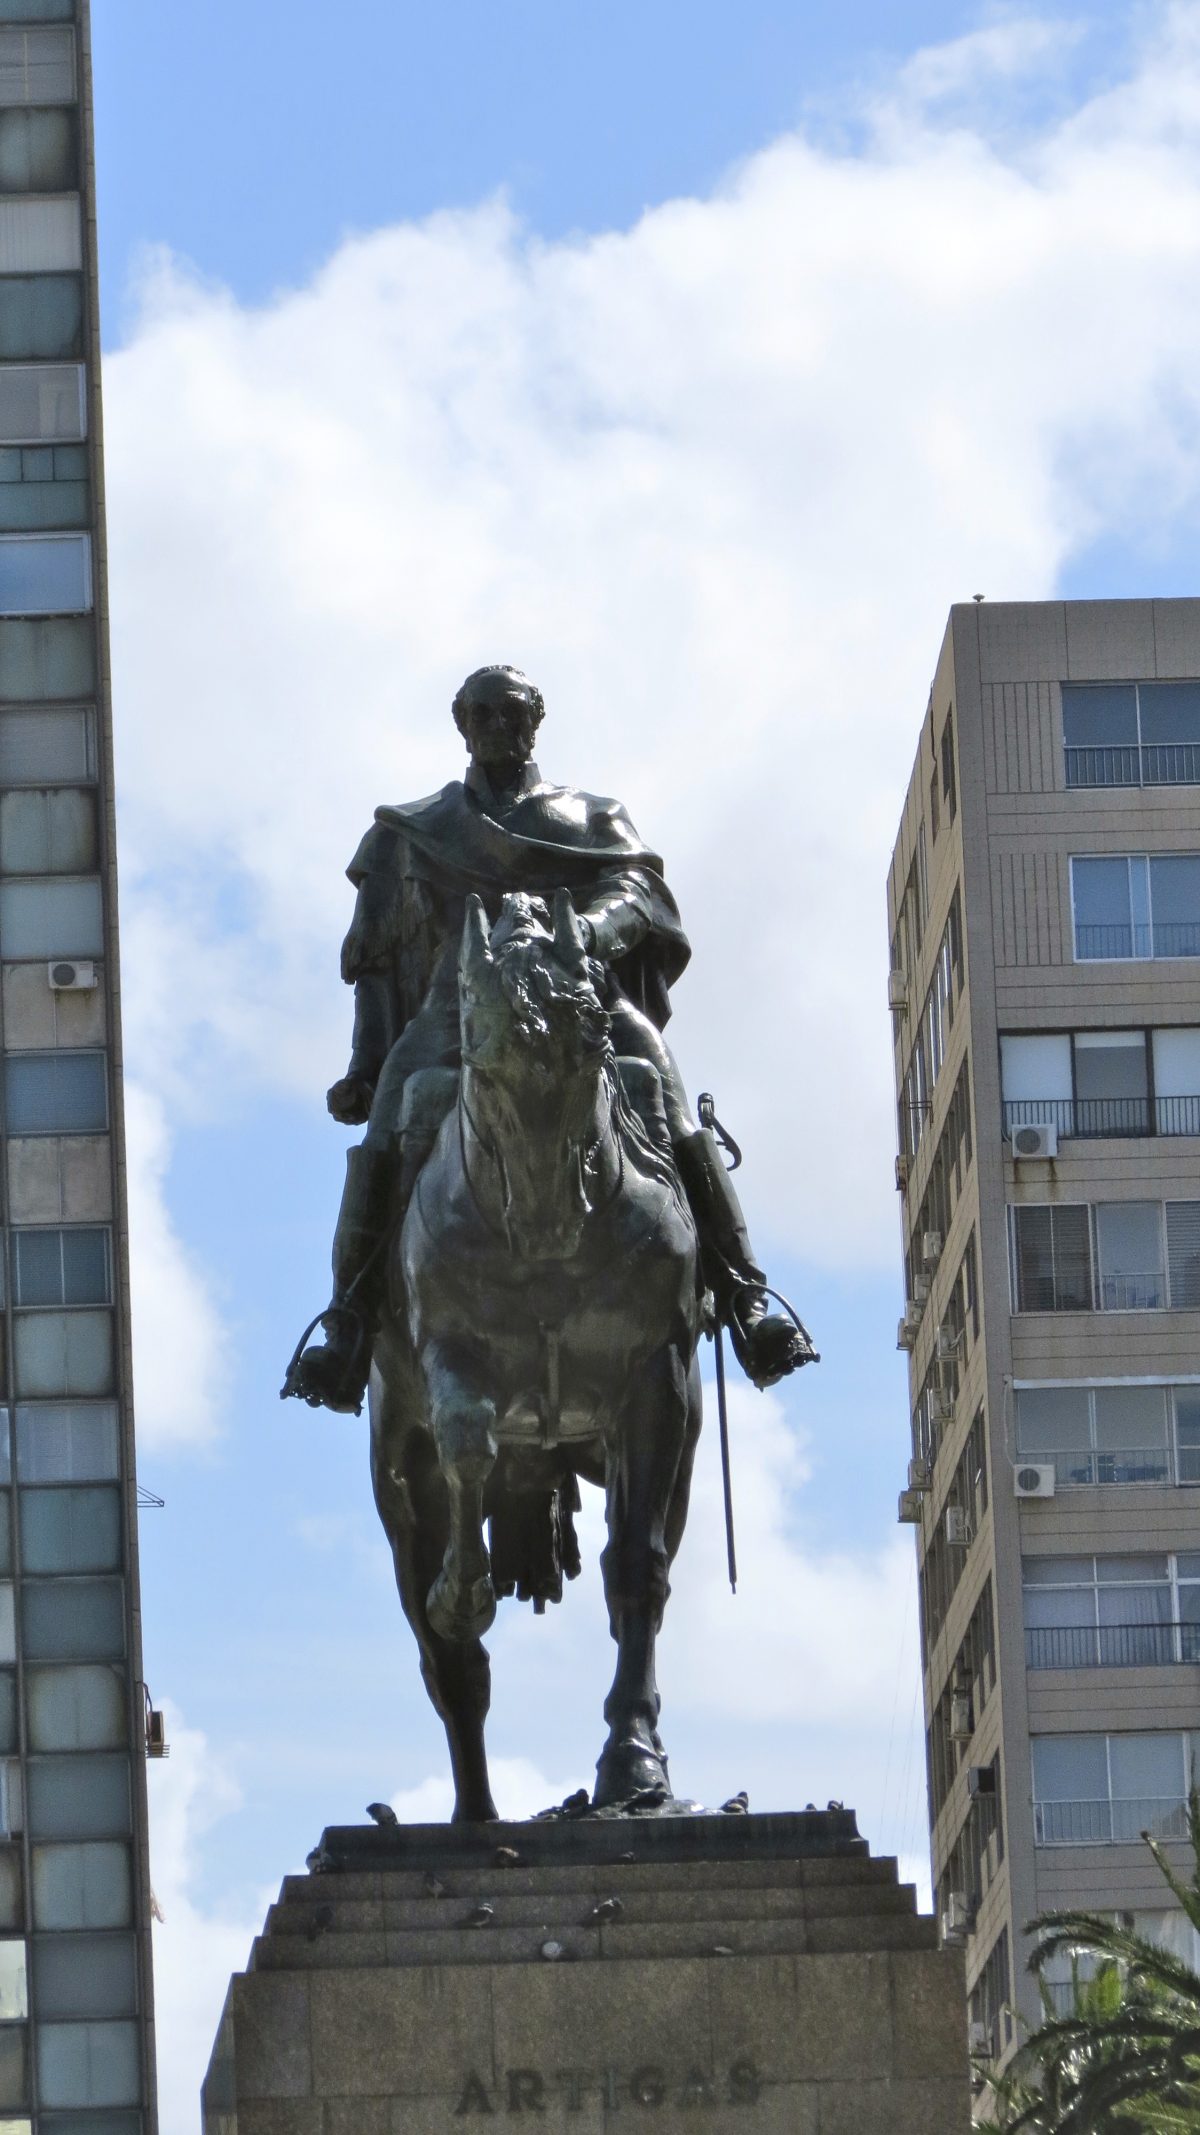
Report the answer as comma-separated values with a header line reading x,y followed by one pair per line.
x,y
72,977
931,1248
922,1285
902,1164
979,2040
908,1511
958,1918
949,1342
943,1403
920,1475
981,1780
1033,1478
906,1332
962,1723
1034,1141
897,990
958,1527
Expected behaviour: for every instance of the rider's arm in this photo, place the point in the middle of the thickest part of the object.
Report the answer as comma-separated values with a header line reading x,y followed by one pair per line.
x,y
618,914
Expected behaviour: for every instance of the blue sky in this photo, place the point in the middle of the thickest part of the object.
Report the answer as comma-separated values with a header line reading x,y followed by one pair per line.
x,y
697,359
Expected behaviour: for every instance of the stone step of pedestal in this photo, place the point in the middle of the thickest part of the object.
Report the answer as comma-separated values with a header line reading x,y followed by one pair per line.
x,y
517,1944
319,1908
479,1879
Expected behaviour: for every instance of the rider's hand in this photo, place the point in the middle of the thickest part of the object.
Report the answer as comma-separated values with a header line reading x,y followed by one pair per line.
x,y
350,1100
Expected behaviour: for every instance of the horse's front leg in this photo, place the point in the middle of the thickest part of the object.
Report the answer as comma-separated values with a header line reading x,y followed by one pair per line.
x,y
461,1604
645,1457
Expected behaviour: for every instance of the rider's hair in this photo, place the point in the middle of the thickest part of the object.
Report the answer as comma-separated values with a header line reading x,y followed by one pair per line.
x,y
467,692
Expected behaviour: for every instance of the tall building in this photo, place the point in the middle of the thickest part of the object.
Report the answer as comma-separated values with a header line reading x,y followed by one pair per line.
x,y
75,2009
1044,905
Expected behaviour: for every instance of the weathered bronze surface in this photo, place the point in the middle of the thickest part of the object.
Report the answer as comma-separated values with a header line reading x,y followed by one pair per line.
x,y
533,1226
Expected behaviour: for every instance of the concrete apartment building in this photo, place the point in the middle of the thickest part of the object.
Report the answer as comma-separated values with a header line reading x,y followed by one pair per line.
x,y
1044,908
75,2011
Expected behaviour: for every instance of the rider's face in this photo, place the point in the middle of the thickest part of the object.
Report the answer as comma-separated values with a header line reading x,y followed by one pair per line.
x,y
501,724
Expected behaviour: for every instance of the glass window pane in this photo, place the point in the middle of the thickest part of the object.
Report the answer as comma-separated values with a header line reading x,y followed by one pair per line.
x,y
63,1353
14,1992
1110,1064
1103,916
8,1636
5,1533
46,745
78,1797
1131,1266
51,919
84,1975
56,1093
82,1886
88,2064
1057,1571
38,152
77,1708
8,1712
1130,1417
1170,712
68,1443
1036,1076
72,1619
1115,1571
41,401
1052,1417
1175,903
71,1529
14,2074
86,1279
51,574
1069,1768
1099,715
41,315
12,1908
37,1267
47,832
1147,1767
37,10
1183,1253
37,66
1047,1606
40,236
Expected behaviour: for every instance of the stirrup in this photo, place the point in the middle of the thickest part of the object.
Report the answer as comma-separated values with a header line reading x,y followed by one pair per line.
x,y
347,1381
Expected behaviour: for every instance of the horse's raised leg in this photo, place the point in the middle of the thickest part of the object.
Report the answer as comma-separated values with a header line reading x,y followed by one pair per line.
x,y
461,1603
648,1467
411,1498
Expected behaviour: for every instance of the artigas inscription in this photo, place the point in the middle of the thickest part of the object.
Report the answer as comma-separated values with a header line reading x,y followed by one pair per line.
x,y
649,2086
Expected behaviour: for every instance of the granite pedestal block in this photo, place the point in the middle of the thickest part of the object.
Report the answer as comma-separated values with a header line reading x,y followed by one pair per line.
x,y
745,1975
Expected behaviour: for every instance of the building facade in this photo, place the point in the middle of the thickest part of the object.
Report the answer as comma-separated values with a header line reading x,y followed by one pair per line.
x,y
1044,907
76,2048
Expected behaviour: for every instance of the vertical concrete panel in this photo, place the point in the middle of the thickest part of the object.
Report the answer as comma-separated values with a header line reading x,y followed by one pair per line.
x,y
1109,640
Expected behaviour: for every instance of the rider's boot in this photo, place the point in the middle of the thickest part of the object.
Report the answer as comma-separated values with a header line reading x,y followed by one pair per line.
x,y
766,1343
333,1374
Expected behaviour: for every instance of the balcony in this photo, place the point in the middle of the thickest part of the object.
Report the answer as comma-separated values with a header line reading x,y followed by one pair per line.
x,y
1123,941
1154,764
1105,1118
1093,1466
1108,1823
1115,1645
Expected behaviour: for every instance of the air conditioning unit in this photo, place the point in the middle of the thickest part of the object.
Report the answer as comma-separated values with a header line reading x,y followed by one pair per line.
x,y
958,1918
958,1527
981,1781
931,1248
908,1511
948,1345
902,1164
72,977
1033,1478
962,1724
922,1285
979,2040
1034,1141
156,1733
906,1332
897,990
942,1398
920,1475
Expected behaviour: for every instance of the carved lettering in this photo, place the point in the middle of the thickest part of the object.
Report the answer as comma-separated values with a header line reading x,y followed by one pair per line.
x,y
574,2082
474,2097
526,2091
648,2085
608,2082
697,2089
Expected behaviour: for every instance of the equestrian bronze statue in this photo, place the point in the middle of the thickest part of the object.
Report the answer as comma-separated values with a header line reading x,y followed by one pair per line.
x,y
534,1231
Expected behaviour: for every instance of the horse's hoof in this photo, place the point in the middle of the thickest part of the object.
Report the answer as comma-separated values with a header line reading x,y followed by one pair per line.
x,y
626,1769
461,1613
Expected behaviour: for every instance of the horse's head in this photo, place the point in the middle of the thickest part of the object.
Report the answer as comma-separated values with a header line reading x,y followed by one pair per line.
x,y
529,1007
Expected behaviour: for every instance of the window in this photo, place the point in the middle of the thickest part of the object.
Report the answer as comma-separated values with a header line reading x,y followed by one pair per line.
x,y
71,1529
85,1886
1136,906
59,1442
949,784
55,1093
88,2064
1132,733
933,1031
1084,1083
990,1997
63,1355
84,1975
41,316
38,151
1101,1434
934,821
47,747
42,402
55,657
78,1797
1107,1789
67,1267
1111,1612
45,574
48,832
1052,1265
14,1990
50,919
37,66
72,1620
1131,1274
78,1708
39,236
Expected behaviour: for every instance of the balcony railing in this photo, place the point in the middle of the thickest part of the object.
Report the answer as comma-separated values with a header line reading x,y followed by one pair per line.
x,y
1109,1118
1121,942
1137,1290
1108,1823
1112,1645
1137,1464
1159,763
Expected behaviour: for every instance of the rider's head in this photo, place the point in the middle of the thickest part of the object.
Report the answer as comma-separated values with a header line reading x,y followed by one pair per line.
x,y
498,711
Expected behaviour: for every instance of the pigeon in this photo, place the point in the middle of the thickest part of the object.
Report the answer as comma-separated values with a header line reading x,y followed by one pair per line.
x,y
480,1916
607,1909
383,1814
433,1887
552,1951
630,1856
319,1922
318,1862
506,1857
721,1949
737,1804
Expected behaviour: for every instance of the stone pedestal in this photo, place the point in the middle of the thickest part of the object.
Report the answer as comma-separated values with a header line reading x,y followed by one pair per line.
x,y
746,1975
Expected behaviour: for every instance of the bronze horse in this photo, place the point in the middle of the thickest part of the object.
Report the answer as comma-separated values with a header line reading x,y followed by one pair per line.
x,y
545,1308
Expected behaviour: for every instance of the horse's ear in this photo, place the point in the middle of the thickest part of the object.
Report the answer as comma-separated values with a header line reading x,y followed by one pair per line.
x,y
569,946
475,956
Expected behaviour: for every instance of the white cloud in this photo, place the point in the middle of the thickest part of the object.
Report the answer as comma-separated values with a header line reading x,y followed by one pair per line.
x,y
178,1340
714,481
195,1949
519,1788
